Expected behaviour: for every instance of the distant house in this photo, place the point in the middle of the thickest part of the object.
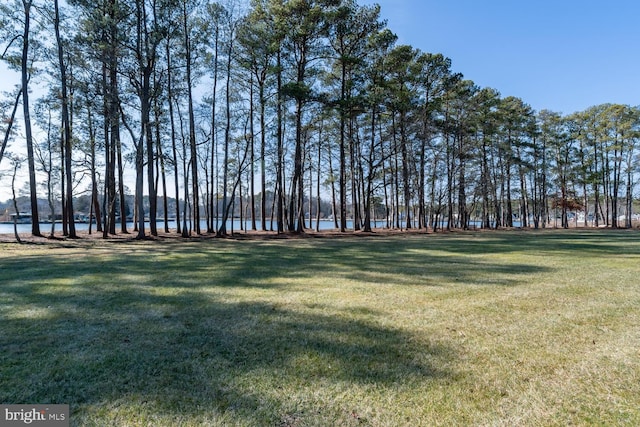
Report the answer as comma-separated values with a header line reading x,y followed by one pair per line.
x,y
20,218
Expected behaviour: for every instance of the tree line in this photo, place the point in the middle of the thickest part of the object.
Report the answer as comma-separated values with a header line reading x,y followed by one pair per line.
x,y
268,106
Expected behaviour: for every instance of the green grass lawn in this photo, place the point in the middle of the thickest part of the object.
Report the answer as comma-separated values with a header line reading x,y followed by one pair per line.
x,y
505,328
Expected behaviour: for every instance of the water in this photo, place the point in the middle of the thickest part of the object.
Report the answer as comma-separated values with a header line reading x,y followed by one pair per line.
x,y
45,228
234,225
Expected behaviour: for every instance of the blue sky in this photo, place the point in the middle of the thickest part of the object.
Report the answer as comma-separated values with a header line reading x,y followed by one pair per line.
x,y
562,55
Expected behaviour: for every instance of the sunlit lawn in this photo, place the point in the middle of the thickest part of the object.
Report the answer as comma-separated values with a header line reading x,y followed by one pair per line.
x,y
507,328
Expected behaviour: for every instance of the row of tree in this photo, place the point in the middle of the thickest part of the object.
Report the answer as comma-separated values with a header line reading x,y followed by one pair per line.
x,y
218,103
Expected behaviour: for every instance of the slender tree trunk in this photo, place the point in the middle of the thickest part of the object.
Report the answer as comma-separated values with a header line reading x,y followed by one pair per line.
x,y
405,170
95,203
7,132
463,214
16,166
343,153
395,183
422,183
174,149
160,159
119,163
113,121
617,171
35,220
629,198
334,210
484,179
370,176
263,169
192,126
252,159
226,203
280,148
66,127
353,149
509,216
318,200
150,150
186,164
140,187
524,204
297,187
214,137
107,136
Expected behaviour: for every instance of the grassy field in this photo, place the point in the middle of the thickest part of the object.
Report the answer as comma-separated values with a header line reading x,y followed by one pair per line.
x,y
505,328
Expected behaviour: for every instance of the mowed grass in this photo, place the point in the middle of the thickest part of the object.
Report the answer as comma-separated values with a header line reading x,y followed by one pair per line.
x,y
504,328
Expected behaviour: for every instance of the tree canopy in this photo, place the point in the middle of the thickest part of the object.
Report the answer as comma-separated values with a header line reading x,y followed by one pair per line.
x,y
287,112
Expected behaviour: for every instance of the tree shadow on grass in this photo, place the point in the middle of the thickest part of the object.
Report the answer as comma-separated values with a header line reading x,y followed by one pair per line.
x,y
552,242
144,331
176,330
419,261
468,258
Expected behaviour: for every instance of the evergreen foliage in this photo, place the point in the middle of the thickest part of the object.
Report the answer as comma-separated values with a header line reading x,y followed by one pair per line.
x,y
219,103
